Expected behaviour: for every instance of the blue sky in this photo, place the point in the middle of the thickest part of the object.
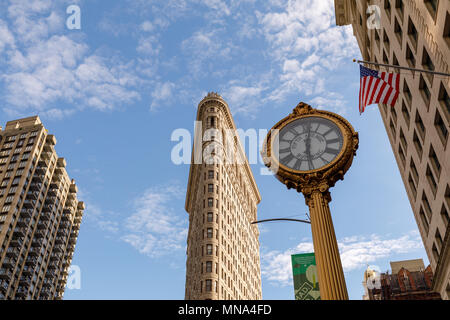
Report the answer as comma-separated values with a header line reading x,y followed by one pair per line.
x,y
114,91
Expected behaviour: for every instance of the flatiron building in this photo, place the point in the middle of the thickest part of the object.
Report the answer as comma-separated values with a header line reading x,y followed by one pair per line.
x,y
223,260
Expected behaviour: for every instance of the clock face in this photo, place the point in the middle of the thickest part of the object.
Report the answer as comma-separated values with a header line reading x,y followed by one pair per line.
x,y
309,143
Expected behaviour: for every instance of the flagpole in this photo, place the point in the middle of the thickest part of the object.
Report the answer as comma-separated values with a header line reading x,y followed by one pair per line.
x,y
404,68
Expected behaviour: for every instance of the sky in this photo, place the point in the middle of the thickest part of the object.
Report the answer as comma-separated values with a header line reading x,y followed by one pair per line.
x,y
115,88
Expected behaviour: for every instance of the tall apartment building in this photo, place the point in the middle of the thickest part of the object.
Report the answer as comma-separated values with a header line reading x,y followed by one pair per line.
x,y
409,280
222,246
40,215
415,33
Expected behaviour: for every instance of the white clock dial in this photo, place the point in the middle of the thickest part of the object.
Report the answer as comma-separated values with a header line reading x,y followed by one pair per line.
x,y
309,143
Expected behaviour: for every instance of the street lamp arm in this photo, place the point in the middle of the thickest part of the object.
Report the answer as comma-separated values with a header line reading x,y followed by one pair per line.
x,y
281,219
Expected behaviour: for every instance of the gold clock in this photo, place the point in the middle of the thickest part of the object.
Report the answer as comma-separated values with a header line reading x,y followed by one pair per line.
x,y
309,151
310,146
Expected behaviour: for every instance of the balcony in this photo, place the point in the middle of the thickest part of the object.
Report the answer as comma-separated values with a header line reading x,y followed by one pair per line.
x,y
5,274
17,243
27,270
62,233
12,252
53,192
50,200
72,241
37,243
22,292
55,257
33,195
38,234
58,248
42,225
53,265
51,274
26,213
25,281
31,261
34,251
19,233
40,170
46,155
9,263
35,186
58,172
29,203
38,179
23,222
45,216
60,240
47,283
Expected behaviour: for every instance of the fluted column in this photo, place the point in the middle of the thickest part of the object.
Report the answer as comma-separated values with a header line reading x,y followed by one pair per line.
x,y
331,276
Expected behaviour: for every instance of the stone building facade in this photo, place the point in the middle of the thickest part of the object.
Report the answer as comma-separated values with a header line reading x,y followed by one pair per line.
x,y
222,247
40,214
415,34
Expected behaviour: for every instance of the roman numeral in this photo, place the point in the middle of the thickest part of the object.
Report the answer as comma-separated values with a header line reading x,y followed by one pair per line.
x,y
333,140
332,151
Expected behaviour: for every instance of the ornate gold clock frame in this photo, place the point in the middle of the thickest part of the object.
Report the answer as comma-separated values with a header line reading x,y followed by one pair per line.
x,y
315,185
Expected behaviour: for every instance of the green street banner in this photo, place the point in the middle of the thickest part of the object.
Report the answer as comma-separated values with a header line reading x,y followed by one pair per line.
x,y
306,281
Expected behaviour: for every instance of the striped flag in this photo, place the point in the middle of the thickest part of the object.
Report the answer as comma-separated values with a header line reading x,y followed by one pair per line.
x,y
377,87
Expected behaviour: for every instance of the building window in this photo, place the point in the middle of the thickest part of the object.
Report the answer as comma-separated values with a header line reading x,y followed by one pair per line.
x,y
387,8
431,180
208,285
392,129
209,249
210,217
405,113
419,125
407,93
410,57
444,101
426,205
441,128
398,32
402,155
435,161
412,186
446,33
210,202
386,41
210,174
209,266
445,216
414,171
426,94
432,6
209,233
424,220
435,253
412,32
210,188
399,7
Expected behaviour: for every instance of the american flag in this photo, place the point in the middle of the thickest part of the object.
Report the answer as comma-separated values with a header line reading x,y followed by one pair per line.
x,y
377,87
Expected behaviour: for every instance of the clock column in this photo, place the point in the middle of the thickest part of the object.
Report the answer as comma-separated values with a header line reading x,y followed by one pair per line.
x,y
331,276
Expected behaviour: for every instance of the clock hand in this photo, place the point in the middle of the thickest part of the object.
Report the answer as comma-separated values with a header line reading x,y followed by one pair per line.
x,y
308,144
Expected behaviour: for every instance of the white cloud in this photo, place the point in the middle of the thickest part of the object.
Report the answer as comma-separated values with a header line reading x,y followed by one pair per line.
x,y
162,94
356,252
154,229
45,67
306,44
